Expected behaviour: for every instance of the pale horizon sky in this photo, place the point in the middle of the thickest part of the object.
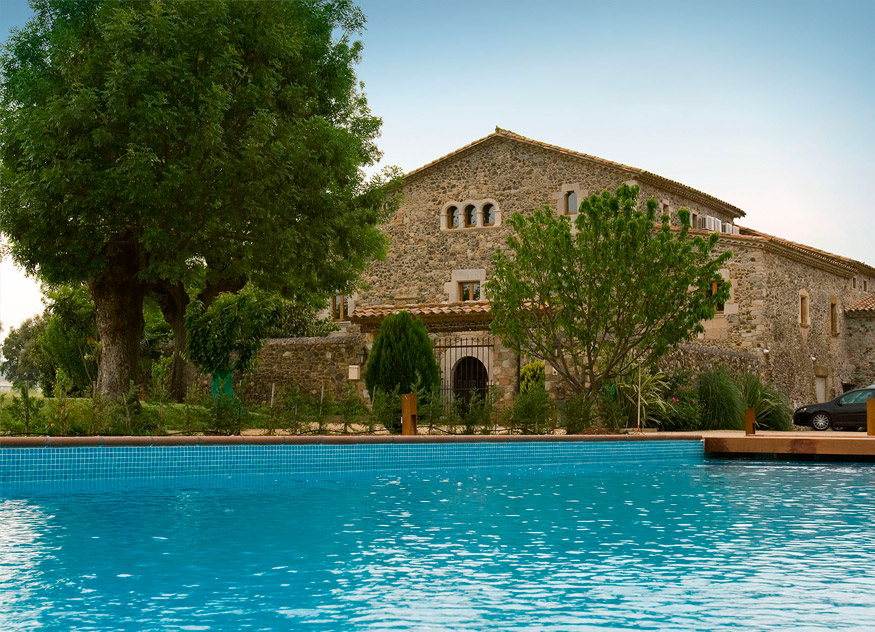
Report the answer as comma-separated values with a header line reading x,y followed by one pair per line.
x,y
766,105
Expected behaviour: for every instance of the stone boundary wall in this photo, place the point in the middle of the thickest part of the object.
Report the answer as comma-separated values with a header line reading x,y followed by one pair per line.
x,y
310,363
699,358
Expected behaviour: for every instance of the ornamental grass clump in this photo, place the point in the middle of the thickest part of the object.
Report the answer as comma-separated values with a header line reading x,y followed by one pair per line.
x,y
721,401
773,410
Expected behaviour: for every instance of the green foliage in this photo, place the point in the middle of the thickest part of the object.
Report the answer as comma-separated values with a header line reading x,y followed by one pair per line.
x,y
165,147
773,410
532,376
350,408
386,408
532,412
721,402
477,415
23,359
620,401
25,409
228,336
605,292
402,357
577,414
69,342
298,320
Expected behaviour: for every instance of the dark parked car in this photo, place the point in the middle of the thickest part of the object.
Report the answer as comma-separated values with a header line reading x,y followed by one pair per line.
x,y
846,411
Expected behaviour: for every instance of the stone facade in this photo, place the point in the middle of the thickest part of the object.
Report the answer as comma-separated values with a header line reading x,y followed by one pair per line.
x,y
311,364
429,258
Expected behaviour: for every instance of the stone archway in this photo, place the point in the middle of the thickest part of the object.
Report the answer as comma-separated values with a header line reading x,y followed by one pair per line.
x,y
470,377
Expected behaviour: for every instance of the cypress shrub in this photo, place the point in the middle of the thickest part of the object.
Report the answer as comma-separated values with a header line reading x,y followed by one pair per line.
x,y
721,402
402,361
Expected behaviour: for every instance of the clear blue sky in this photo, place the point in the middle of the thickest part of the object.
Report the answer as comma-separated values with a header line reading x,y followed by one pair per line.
x,y
765,104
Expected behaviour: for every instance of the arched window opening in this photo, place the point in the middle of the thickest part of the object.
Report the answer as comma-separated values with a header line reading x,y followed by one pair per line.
x,y
470,215
488,214
453,217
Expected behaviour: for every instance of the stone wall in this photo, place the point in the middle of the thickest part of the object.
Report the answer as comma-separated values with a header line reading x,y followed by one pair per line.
x,y
698,358
860,336
518,177
311,364
799,355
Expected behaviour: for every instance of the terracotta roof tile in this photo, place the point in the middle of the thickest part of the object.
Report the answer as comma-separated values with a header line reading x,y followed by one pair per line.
x,y
466,308
866,305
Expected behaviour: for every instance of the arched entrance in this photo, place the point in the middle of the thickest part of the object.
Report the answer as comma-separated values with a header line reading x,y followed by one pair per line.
x,y
470,377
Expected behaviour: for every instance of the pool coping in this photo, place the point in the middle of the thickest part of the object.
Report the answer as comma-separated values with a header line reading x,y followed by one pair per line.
x,y
145,441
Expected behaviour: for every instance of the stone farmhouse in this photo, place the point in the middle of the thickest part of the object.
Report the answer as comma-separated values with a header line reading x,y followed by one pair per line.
x,y
802,317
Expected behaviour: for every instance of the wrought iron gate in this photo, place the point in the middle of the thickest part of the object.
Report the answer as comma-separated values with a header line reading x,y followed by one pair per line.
x,y
466,368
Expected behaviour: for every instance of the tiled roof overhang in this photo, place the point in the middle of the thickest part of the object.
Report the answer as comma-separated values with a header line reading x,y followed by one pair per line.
x,y
468,311
863,309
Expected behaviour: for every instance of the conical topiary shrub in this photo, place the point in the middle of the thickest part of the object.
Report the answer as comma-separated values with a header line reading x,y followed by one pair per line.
x,y
402,359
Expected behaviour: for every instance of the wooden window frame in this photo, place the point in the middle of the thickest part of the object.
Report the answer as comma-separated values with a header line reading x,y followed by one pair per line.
x,y
470,297
804,310
720,308
340,309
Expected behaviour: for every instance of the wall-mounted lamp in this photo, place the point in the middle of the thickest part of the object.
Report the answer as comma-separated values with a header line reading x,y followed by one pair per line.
x,y
362,355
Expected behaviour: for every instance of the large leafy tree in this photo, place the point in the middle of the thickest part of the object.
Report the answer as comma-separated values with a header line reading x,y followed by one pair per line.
x,y
611,290
185,149
23,359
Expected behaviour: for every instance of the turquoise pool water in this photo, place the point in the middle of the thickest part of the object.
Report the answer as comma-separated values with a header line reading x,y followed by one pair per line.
x,y
718,546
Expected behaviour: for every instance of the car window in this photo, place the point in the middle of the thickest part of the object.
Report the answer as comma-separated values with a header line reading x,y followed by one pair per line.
x,y
854,397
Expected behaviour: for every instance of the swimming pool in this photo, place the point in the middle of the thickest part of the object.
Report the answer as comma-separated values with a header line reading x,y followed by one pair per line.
x,y
682,546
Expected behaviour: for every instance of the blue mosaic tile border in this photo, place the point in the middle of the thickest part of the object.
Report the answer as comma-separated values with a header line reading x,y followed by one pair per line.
x,y
101,468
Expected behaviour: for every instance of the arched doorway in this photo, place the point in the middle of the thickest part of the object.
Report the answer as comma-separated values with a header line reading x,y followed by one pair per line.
x,y
470,377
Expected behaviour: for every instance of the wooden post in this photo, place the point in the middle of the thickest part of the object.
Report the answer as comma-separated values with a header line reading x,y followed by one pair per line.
x,y
750,422
408,414
870,417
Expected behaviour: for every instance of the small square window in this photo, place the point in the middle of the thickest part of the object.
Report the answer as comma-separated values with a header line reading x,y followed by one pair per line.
x,y
469,291
712,290
340,307
572,206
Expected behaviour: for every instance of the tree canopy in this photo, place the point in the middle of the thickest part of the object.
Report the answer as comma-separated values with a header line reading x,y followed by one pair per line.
x,y
185,149
612,289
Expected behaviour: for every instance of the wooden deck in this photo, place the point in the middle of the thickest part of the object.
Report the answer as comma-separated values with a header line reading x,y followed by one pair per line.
x,y
850,446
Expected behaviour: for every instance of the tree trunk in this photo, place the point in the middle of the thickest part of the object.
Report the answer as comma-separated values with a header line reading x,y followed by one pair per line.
x,y
118,299
174,302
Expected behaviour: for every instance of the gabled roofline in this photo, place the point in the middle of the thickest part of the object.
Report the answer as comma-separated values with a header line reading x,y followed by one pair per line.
x,y
639,174
850,265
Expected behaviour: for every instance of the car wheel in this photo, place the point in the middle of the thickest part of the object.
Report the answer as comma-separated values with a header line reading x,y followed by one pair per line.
x,y
820,421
